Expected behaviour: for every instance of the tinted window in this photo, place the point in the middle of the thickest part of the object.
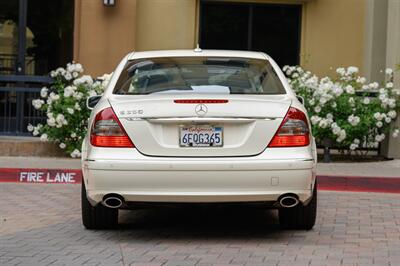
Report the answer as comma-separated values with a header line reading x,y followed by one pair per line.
x,y
221,75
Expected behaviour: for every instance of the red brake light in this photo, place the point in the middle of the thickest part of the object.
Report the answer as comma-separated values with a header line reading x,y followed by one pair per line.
x,y
107,131
293,132
193,101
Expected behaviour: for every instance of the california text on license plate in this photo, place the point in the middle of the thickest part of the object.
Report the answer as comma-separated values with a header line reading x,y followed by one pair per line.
x,y
200,136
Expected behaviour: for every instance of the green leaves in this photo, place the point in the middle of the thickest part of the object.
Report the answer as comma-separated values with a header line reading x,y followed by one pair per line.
x,y
345,109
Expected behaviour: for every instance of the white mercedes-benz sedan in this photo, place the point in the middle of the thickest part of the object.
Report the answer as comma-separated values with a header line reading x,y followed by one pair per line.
x,y
198,126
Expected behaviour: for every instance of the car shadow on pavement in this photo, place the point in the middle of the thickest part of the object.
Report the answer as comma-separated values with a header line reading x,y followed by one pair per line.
x,y
201,221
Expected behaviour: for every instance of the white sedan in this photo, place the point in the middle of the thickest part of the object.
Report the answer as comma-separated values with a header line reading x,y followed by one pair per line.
x,y
198,126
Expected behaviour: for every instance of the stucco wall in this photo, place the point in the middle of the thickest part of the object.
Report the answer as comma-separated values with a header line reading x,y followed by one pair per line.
x,y
332,35
103,35
166,24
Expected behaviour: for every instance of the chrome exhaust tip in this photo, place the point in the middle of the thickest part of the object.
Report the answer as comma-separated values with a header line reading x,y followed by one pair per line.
x,y
113,201
288,201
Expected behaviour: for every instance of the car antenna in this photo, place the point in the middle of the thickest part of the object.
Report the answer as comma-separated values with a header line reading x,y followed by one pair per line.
x,y
198,49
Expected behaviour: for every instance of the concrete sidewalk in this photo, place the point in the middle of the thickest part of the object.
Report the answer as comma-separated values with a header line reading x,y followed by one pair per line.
x,y
370,169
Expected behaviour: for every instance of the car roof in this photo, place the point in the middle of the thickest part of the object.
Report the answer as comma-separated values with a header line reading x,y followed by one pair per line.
x,y
199,53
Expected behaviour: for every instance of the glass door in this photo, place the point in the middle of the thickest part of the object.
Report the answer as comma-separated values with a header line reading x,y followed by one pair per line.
x,y
35,37
271,28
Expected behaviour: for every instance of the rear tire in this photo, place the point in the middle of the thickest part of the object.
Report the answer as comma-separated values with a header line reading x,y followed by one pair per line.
x,y
300,217
99,216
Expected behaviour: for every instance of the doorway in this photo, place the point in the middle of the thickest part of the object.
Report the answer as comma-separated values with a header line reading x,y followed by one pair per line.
x,y
270,28
36,36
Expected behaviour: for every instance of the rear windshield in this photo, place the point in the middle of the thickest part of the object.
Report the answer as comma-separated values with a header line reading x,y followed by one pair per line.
x,y
200,75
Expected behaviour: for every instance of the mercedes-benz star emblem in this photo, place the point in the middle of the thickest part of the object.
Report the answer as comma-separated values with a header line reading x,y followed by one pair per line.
x,y
201,109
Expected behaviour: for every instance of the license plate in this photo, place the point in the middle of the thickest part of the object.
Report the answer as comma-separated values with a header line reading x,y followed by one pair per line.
x,y
200,136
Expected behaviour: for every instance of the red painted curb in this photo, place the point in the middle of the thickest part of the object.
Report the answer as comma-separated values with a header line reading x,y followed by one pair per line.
x,y
325,182
359,183
41,175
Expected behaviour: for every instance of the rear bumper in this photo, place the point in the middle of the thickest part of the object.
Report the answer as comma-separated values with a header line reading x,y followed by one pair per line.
x,y
149,179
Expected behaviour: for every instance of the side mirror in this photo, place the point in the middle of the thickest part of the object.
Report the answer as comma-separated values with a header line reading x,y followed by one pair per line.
x,y
92,101
300,98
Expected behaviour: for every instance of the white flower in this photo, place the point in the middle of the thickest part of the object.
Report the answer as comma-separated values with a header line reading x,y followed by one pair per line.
x,y
315,119
43,137
30,127
353,120
37,104
53,96
311,101
68,76
336,130
361,80
392,103
351,101
73,135
86,79
350,89
70,110
341,71
77,107
323,123
366,100
53,74
374,85
78,95
60,119
392,114
389,85
388,120
382,91
389,71
69,91
356,141
51,122
352,70
380,137
329,116
378,116
353,146
78,68
92,93
43,92
75,154
75,74
395,133
379,124
62,145
334,104
342,135
35,132
337,90
322,101
317,109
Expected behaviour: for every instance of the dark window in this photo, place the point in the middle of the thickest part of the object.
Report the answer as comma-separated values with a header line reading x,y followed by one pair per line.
x,y
270,28
199,75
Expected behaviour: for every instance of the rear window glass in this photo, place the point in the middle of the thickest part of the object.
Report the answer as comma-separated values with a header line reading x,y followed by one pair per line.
x,y
200,75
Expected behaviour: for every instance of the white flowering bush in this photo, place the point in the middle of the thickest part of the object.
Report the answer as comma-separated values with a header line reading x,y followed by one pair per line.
x,y
64,104
346,110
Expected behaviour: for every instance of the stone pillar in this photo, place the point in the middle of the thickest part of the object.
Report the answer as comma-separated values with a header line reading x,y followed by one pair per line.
x,y
375,39
392,149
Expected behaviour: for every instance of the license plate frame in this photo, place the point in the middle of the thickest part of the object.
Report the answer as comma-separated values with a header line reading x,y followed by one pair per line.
x,y
201,129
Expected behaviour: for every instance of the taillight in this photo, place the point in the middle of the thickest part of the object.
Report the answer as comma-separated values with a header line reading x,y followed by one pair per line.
x,y
293,132
107,131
